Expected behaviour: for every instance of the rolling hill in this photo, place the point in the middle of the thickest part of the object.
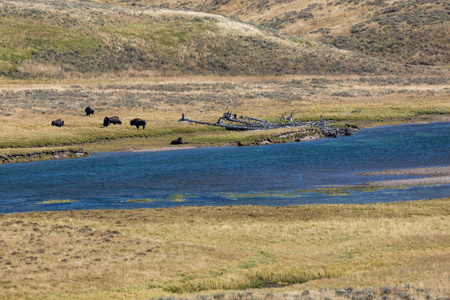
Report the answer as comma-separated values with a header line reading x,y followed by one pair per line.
x,y
60,39
407,31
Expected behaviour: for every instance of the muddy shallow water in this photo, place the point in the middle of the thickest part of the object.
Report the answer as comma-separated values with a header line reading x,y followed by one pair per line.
x,y
320,171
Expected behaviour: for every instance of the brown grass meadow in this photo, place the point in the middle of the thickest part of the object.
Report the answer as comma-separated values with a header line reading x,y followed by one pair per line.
x,y
406,31
28,107
395,251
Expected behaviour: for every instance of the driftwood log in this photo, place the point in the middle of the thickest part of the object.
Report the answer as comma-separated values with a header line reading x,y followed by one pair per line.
x,y
231,121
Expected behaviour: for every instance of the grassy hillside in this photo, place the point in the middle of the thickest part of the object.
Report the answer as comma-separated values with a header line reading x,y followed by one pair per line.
x,y
61,39
409,31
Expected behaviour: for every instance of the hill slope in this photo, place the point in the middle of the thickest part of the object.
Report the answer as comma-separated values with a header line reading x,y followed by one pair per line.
x,y
408,31
68,38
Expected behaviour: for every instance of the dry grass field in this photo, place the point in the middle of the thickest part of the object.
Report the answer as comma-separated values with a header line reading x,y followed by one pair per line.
x,y
388,251
28,108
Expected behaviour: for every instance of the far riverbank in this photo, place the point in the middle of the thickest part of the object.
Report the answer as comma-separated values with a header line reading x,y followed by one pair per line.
x,y
191,140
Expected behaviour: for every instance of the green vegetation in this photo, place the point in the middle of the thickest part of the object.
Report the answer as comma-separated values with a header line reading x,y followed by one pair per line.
x,y
86,135
305,193
26,38
302,41
144,200
172,198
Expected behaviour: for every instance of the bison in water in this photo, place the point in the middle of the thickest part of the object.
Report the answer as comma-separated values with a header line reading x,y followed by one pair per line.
x,y
58,123
111,120
178,141
89,111
138,122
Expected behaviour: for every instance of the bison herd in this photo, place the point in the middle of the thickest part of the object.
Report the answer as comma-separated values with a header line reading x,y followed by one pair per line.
x,y
115,120
106,121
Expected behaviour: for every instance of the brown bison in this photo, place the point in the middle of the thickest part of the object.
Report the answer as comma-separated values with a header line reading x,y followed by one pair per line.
x,y
178,141
58,123
89,111
111,120
138,122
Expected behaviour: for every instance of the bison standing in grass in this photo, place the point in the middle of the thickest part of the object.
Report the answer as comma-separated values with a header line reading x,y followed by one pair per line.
x,y
89,111
58,123
138,122
111,120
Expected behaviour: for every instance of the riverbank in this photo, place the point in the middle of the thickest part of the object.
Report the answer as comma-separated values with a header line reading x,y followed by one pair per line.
x,y
384,249
42,155
28,108
192,140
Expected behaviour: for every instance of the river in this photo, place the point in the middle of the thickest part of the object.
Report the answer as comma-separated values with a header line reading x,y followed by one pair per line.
x,y
275,175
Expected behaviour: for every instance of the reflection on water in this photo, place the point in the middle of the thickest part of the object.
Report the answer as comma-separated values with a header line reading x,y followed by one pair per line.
x,y
282,174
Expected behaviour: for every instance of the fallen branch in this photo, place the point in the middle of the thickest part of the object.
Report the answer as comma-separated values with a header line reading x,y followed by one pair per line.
x,y
258,124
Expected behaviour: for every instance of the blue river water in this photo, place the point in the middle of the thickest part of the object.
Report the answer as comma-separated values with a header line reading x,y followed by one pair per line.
x,y
274,175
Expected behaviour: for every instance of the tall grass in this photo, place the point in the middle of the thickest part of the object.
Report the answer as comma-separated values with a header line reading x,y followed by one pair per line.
x,y
187,250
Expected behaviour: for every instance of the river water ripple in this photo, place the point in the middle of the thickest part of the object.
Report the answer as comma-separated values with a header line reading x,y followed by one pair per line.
x,y
274,175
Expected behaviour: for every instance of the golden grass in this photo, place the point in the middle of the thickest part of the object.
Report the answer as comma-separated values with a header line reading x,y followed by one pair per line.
x,y
183,251
25,126
337,17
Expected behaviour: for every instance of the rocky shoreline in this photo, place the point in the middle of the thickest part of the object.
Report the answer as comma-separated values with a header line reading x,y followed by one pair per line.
x,y
42,155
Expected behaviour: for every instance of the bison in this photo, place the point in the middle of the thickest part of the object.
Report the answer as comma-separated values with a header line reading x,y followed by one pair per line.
x,y
111,120
58,123
138,122
178,141
89,111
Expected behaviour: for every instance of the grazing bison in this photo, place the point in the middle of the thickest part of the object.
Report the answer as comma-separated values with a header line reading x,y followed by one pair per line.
x,y
111,120
89,111
58,123
138,122
178,141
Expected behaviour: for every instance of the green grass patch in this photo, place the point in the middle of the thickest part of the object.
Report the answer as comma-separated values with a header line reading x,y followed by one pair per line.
x,y
23,38
305,42
82,136
164,36
330,191
269,194
145,200
181,197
